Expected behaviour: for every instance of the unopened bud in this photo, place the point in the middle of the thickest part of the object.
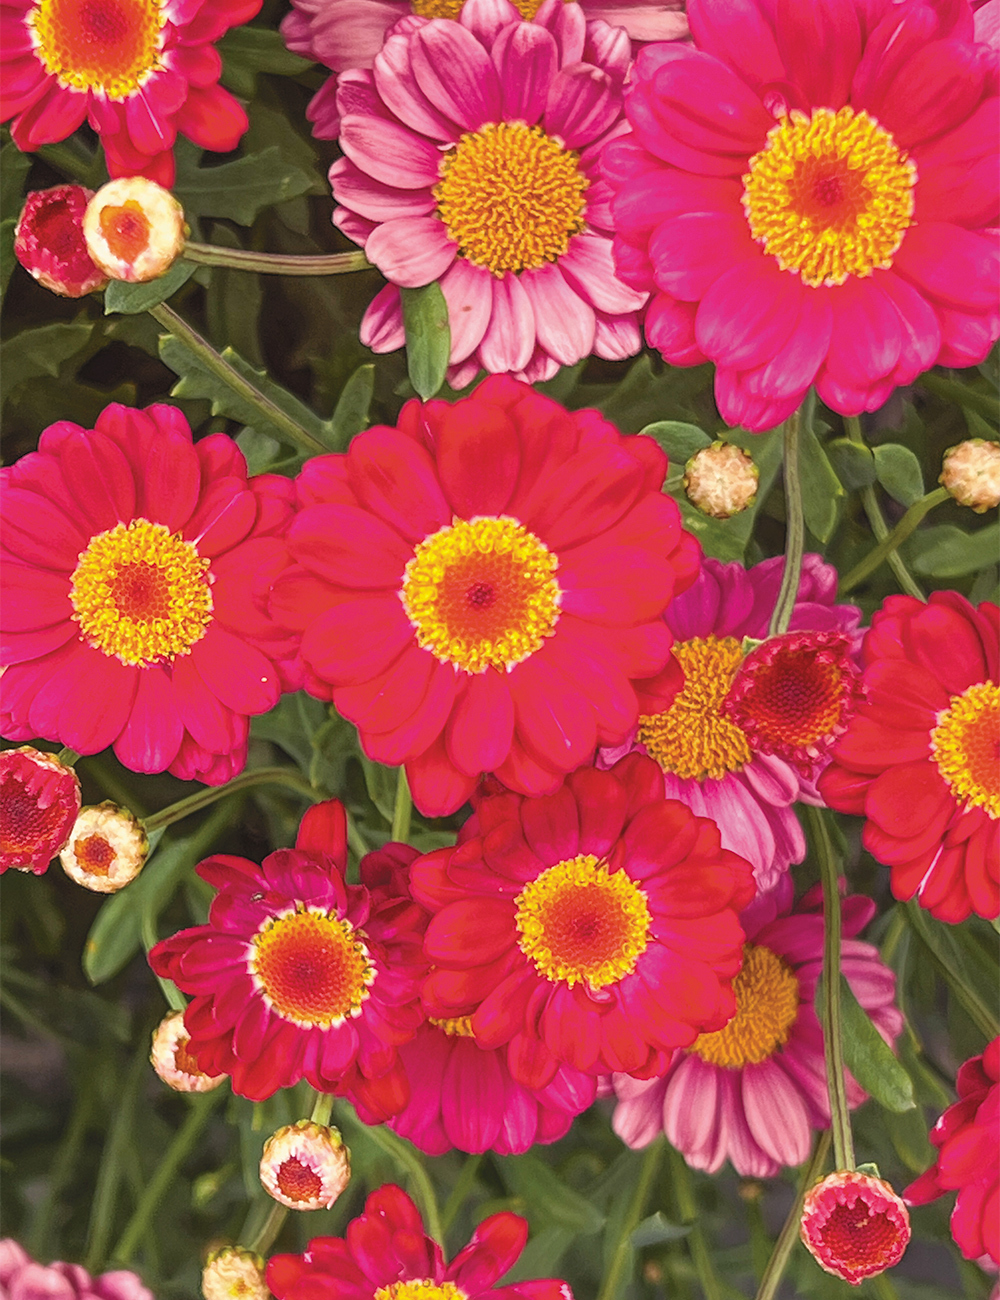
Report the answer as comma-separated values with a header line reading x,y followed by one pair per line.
x,y
233,1273
39,803
49,242
854,1225
305,1166
721,480
107,848
971,473
172,1061
134,229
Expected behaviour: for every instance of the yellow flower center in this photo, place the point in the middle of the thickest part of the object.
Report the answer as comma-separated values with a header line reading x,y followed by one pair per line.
x,y
767,1004
579,922
511,196
141,594
420,1289
693,738
452,8
312,967
480,593
965,744
107,46
830,195
459,1027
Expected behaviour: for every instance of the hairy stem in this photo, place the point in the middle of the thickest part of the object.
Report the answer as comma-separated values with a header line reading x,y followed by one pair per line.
x,y
242,259
270,1228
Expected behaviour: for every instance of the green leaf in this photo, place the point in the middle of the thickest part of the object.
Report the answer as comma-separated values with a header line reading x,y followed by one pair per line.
x,y
542,1255
246,51
898,470
945,551
656,1229
353,405
428,337
41,351
293,723
381,785
240,189
821,488
680,441
853,464
870,1058
7,259
547,1197
131,299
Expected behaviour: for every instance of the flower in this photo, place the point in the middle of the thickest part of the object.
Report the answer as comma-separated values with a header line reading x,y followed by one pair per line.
x,y
471,153
386,1255
39,801
173,1062
134,229
138,71
854,1225
131,565
709,762
305,1166
755,1091
919,759
721,480
49,242
971,473
106,850
234,1273
809,223
968,1140
479,588
22,1279
297,974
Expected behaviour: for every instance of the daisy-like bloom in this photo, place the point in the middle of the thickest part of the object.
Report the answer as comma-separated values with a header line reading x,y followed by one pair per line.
x,y
234,1273
854,1225
755,1091
708,760
134,229
386,1255
106,849
22,1279
721,480
471,153
479,589
968,1140
133,568
919,759
174,1063
305,1166
812,222
138,71
297,974
596,927
971,473
39,802
49,242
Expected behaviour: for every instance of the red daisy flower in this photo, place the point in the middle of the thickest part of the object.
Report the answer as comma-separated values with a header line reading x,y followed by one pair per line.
x,y
968,1140
479,588
812,221
139,71
386,1255
128,591
854,1225
39,803
596,926
297,974
920,756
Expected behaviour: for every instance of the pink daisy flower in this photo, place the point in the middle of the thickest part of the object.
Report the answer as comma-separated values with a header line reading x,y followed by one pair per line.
x,y
812,221
471,152
711,762
755,1091
131,593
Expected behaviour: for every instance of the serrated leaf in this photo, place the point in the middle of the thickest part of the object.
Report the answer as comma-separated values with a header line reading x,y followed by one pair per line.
x,y
42,351
238,190
353,405
821,488
853,464
131,299
870,1058
428,338
678,440
246,51
945,551
898,470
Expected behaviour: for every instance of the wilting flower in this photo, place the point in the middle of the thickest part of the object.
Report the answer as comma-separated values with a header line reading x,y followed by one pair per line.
x,y
919,759
721,480
49,242
139,74
471,153
134,229
234,1273
22,1279
854,1225
971,473
305,1166
968,1140
709,761
106,849
173,1062
479,588
386,1255
39,802
132,563
755,1091
812,221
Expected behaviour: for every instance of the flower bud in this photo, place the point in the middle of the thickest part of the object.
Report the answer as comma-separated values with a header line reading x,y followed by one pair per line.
x,y
971,473
39,803
134,229
305,1166
233,1273
49,242
171,1060
721,480
107,848
854,1225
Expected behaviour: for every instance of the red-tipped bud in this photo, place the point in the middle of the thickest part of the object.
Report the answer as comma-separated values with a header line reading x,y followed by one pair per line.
x,y
854,1225
49,242
39,802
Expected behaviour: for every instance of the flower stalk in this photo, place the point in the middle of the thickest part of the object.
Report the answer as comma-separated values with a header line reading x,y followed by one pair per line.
x,y
789,1234
244,259
796,535
889,543
879,527
204,798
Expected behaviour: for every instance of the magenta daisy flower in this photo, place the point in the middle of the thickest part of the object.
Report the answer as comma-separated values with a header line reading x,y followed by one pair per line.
x,y
755,1091
471,153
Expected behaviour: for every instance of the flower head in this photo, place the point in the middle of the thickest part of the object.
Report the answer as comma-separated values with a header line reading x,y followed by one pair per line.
x,y
812,224
919,759
721,480
854,1225
22,1279
386,1255
971,473
134,229
134,569
234,1273
39,802
305,1166
174,1063
106,849
49,242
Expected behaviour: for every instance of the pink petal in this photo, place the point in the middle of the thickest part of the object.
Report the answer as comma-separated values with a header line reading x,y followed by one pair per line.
x,y
564,323
525,59
456,74
588,266
468,291
390,152
510,335
400,91
582,104
411,251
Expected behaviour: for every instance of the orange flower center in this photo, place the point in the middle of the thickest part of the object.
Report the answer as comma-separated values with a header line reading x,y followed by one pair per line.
x,y
184,1060
298,1181
107,46
459,1027
830,195
312,967
579,922
480,593
965,744
125,230
420,1289
767,1004
94,854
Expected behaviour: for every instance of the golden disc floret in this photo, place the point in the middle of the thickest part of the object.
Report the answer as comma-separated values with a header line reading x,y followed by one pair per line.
x,y
767,1005
312,967
965,745
107,46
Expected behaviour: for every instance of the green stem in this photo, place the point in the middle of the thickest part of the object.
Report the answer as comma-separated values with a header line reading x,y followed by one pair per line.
x,y
833,1038
789,1234
462,1188
622,1255
67,757
887,547
402,809
270,1228
978,1012
210,359
204,798
680,1176
322,1108
109,1175
176,1000
879,527
795,536
243,259
953,391
405,1156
